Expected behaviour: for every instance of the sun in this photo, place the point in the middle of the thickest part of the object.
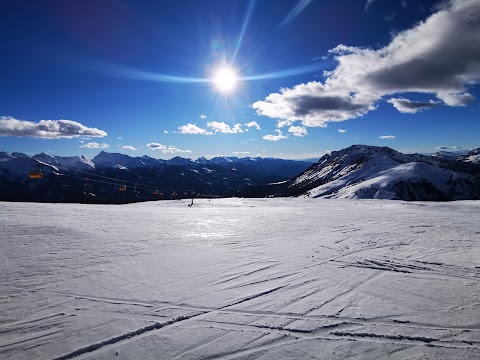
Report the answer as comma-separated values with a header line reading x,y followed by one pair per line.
x,y
225,79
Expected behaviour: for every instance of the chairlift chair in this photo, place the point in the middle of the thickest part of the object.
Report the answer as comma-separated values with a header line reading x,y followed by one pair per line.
x,y
36,174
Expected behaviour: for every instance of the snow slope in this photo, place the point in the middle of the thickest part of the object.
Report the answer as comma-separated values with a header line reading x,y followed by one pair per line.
x,y
236,279
371,172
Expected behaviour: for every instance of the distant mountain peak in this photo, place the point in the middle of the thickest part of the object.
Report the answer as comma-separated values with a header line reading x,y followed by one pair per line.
x,y
363,171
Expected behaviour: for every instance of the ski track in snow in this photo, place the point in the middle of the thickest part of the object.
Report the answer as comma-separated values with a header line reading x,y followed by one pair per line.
x,y
238,278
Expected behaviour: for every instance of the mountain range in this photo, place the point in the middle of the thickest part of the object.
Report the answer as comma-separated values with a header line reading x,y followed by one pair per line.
x,y
371,172
357,172
98,180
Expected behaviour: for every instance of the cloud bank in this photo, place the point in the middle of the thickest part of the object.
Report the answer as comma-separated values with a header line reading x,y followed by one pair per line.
x,y
129,147
387,137
439,56
47,129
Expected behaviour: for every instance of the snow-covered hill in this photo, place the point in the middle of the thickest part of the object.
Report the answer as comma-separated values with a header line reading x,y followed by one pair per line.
x,y
370,172
240,279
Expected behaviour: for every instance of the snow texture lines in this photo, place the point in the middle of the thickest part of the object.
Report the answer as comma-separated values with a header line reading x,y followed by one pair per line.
x,y
240,278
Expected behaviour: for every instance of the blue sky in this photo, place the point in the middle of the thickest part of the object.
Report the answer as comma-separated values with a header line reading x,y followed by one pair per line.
x,y
139,77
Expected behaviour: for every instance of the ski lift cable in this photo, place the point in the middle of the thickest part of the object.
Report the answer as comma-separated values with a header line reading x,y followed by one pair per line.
x,y
132,183
121,181
118,182
137,186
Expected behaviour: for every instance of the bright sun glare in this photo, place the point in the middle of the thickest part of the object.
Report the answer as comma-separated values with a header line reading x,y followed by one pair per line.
x,y
225,79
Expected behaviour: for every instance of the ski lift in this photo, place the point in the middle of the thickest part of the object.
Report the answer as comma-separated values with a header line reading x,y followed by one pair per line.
x,y
36,174
122,187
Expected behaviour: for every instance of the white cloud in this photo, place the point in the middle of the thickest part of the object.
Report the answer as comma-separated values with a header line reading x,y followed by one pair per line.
x,y
225,128
387,137
342,131
299,131
47,129
95,145
216,127
411,107
193,129
314,104
156,146
241,152
203,117
439,56
165,131
119,138
174,149
253,124
166,149
277,137
448,148
129,147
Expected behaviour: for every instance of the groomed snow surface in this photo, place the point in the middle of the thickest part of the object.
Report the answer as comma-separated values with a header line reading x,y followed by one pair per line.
x,y
237,278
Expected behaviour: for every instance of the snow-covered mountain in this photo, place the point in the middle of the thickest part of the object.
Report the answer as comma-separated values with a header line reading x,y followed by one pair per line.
x,y
472,157
71,178
357,172
451,155
370,172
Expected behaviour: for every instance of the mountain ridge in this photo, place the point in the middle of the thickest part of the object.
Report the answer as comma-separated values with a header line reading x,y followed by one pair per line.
x,y
356,172
80,179
371,172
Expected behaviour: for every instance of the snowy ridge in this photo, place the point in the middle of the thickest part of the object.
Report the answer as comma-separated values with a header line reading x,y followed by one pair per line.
x,y
473,156
451,155
370,172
